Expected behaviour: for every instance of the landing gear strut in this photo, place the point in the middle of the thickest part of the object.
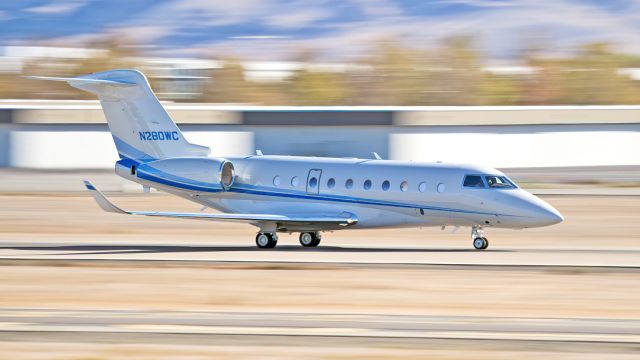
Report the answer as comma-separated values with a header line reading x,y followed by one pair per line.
x,y
310,239
477,235
266,240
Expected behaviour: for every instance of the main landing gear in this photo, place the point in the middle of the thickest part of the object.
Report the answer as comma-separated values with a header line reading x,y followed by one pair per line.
x,y
266,240
479,241
310,239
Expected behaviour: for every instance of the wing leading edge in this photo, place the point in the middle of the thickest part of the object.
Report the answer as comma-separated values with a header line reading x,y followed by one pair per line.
x,y
344,219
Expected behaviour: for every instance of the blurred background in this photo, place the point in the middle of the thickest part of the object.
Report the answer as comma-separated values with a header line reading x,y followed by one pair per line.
x,y
546,90
378,52
529,83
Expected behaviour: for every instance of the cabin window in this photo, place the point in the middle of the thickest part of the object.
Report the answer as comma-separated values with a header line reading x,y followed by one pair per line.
x,y
441,188
499,182
473,181
313,182
276,180
422,187
386,185
295,181
367,184
404,186
331,183
348,184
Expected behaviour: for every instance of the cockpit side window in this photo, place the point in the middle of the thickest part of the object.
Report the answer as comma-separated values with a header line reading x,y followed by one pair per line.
x,y
474,181
499,182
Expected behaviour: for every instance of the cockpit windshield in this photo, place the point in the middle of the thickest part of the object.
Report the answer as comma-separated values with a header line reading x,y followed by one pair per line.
x,y
499,182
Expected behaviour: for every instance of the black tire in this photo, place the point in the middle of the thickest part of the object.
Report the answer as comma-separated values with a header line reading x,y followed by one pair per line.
x,y
316,242
309,239
486,243
479,243
266,240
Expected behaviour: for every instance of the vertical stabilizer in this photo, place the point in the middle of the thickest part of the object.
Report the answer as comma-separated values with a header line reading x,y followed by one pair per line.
x,y
141,127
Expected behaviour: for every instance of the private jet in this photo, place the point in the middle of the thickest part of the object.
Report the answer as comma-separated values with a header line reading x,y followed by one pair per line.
x,y
295,194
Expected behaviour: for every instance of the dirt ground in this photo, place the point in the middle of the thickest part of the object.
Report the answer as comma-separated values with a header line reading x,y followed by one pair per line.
x,y
608,224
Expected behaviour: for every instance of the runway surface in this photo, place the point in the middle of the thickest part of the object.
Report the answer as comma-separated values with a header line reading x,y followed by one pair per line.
x,y
354,255
78,283
612,331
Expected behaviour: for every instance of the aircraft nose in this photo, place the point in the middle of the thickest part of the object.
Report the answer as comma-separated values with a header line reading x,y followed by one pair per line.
x,y
537,211
548,215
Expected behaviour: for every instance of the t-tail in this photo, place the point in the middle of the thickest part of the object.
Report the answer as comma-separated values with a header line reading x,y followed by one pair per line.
x,y
141,128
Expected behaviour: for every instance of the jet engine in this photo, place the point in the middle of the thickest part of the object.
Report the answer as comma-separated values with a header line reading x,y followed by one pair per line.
x,y
189,173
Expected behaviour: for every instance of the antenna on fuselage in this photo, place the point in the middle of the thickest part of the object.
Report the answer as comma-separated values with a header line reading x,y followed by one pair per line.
x,y
259,152
376,156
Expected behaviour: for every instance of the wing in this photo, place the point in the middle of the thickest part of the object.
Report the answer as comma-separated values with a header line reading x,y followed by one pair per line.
x,y
344,219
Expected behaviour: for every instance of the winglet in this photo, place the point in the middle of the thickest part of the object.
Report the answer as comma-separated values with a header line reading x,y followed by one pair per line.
x,y
102,201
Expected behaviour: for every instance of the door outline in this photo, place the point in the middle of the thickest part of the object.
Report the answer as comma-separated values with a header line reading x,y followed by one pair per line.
x,y
317,173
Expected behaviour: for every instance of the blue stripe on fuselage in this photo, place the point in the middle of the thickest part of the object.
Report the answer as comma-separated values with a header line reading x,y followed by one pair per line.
x,y
252,190
243,189
266,191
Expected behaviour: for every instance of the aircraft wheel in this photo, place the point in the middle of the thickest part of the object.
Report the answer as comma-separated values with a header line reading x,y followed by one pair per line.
x,y
480,243
266,240
310,239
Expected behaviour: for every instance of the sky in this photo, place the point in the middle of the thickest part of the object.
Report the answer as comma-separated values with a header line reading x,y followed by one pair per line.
x,y
332,29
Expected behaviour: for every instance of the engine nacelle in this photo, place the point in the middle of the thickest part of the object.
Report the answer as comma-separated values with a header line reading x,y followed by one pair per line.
x,y
191,173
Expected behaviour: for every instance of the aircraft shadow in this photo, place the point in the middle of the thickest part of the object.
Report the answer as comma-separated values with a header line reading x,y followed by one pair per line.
x,y
141,249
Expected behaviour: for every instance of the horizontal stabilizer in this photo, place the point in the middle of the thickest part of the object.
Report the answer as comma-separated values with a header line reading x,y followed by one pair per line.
x,y
81,80
344,219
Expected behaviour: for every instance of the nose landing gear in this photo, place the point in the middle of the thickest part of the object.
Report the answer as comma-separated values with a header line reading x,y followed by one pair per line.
x,y
477,235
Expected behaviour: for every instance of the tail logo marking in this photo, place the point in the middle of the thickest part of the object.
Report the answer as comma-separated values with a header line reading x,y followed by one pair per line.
x,y
159,135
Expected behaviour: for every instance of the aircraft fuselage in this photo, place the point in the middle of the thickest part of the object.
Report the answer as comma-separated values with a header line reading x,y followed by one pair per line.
x,y
383,193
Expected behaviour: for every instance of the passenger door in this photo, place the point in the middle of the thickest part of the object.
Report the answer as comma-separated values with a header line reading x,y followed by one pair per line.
x,y
313,181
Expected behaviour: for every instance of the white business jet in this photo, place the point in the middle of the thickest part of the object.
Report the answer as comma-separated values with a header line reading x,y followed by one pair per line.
x,y
289,194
